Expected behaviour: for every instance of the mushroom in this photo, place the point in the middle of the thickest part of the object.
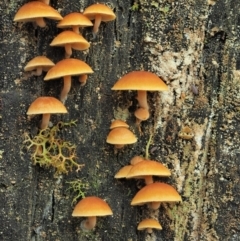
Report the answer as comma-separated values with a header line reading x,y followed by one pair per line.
x,y
121,136
75,21
46,106
67,68
142,81
149,224
136,160
122,173
118,123
70,40
45,1
155,193
35,11
40,64
99,12
146,169
91,207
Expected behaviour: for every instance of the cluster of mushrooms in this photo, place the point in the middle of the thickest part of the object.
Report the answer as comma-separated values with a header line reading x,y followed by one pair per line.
x,y
141,81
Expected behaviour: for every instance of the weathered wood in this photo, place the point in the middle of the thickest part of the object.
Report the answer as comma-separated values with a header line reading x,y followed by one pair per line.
x,y
194,47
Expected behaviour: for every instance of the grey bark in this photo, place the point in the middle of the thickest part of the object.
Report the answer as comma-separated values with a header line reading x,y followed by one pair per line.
x,y
194,47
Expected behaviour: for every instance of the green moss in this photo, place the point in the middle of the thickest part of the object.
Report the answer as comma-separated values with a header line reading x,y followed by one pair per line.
x,y
48,150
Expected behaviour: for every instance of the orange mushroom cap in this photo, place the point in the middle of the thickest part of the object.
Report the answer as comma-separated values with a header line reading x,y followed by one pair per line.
x,y
140,80
118,123
149,224
99,9
91,206
156,192
33,10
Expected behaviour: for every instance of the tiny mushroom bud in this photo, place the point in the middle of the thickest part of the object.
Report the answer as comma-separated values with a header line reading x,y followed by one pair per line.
x,y
149,224
35,11
67,68
186,133
91,207
46,106
70,40
75,21
99,12
118,123
40,64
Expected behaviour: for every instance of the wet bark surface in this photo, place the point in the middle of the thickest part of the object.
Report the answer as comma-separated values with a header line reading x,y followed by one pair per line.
x,y
194,47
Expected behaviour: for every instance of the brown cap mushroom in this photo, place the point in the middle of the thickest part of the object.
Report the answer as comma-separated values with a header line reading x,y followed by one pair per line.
x,y
46,106
142,81
118,123
74,21
91,207
155,193
121,136
35,11
136,160
70,40
67,68
39,63
99,12
146,169
149,224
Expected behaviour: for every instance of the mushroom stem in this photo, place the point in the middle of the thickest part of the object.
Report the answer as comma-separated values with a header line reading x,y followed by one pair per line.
x,y
97,23
149,230
155,205
148,180
118,146
68,50
76,29
40,22
89,223
83,79
142,99
38,71
46,1
66,88
45,121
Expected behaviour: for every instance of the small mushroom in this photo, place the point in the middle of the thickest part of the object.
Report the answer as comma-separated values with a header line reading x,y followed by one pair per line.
x,y
46,106
118,123
121,136
149,224
35,11
146,169
155,193
70,40
99,13
186,133
91,207
75,21
67,68
142,81
122,173
40,64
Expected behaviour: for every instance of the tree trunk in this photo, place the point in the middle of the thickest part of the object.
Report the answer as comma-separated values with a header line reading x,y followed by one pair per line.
x,y
194,47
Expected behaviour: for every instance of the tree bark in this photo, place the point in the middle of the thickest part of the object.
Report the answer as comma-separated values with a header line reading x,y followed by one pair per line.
x,y
194,47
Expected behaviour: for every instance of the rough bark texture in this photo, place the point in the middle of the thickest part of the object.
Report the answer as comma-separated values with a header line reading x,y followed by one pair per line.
x,y
194,46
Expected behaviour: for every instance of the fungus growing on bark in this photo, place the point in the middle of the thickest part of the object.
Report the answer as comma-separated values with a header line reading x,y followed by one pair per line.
x,y
67,68
149,224
70,40
91,207
39,64
186,133
146,169
75,21
46,106
35,11
154,194
99,13
142,81
121,136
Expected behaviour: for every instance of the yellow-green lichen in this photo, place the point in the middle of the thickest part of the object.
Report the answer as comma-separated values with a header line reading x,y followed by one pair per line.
x,y
48,150
79,187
